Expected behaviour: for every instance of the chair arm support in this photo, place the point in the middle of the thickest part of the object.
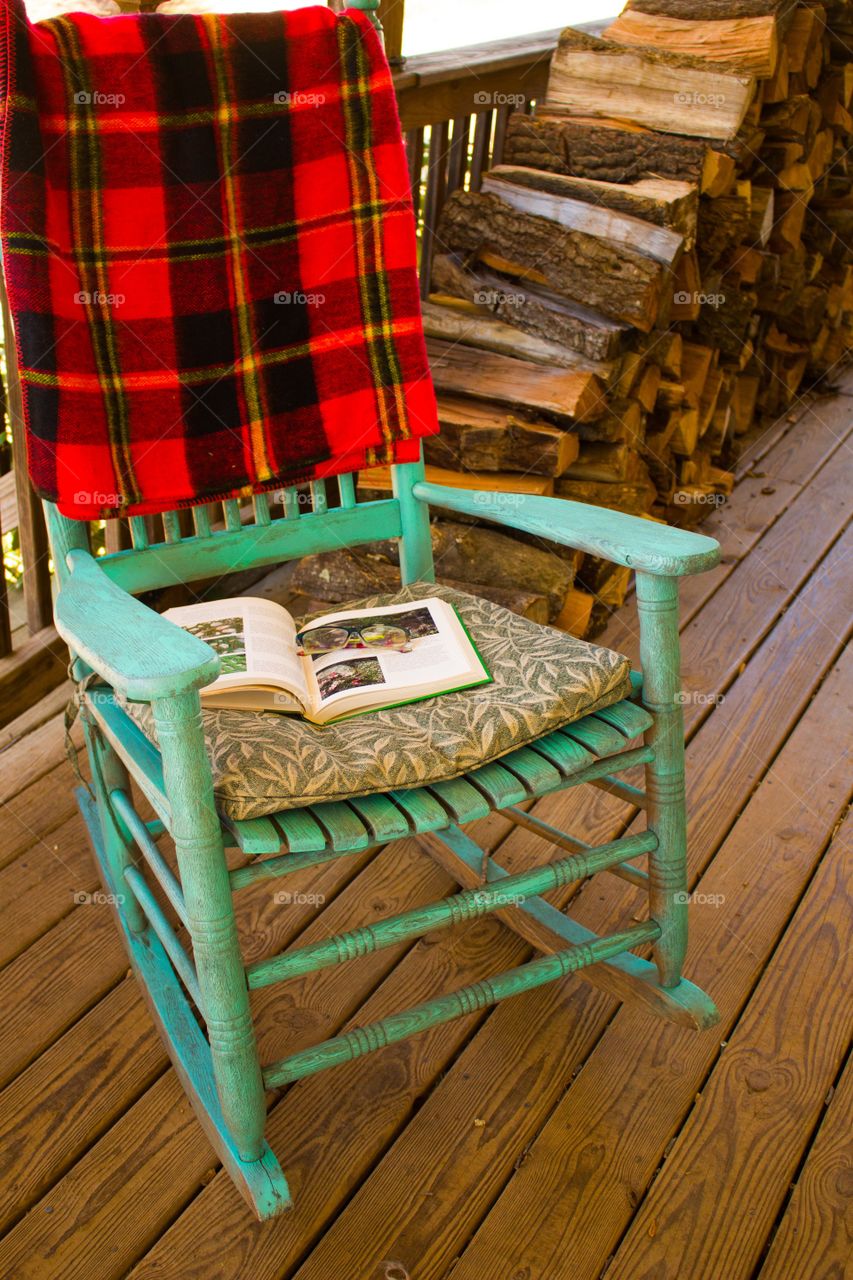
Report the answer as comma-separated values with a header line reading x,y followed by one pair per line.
x,y
138,652
613,535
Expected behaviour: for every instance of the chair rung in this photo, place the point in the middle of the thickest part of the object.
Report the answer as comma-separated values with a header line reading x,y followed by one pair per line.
x,y
622,790
184,967
142,837
467,905
479,995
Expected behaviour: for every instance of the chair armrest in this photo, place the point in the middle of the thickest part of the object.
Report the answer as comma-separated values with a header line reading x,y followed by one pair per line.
x,y
628,540
141,654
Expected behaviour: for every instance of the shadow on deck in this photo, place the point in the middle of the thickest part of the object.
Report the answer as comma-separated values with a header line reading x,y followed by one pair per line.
x,y
559,1134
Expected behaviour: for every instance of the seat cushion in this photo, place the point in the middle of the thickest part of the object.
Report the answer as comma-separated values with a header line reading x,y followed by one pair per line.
x,y
542,679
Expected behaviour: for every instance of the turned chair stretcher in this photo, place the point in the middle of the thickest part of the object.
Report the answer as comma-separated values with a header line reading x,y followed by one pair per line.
x,y
141,656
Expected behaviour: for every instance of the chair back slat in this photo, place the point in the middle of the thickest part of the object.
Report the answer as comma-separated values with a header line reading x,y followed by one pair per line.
x,y
172,526
195,545
201,521
231,508
319,498
139,532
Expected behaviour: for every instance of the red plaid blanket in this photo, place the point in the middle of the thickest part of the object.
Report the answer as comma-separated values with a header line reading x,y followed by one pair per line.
x,y
210,255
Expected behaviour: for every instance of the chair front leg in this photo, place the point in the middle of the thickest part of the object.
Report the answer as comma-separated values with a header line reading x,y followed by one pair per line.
x,y
207,894
657,599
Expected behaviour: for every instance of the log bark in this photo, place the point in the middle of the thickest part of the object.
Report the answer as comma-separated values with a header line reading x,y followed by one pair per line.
x,y
611,279
710,10
485,437
666,202
604,151
532,309
514,187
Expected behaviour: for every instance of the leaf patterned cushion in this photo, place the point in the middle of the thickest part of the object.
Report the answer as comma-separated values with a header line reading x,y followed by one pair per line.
x,y
542,679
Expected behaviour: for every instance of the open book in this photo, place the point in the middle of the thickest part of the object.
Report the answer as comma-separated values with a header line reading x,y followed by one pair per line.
x,y
389,656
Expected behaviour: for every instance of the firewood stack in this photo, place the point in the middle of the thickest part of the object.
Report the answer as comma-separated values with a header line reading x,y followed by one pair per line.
x,y
661,259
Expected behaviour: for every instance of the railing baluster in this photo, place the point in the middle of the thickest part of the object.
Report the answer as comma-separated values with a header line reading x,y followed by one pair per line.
x,y
291,504
116,536
480,150
457,165
346,488
415,150
503,114
436,187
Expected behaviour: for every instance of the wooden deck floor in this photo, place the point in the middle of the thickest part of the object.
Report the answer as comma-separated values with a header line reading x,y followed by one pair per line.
x,y
559,1135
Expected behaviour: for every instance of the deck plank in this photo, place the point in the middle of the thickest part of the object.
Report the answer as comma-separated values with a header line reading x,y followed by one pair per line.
x,y
716,1197
814,1236
442,1172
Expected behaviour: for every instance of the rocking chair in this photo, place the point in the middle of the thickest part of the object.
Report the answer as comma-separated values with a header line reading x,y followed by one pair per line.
x,y
124,653
139,655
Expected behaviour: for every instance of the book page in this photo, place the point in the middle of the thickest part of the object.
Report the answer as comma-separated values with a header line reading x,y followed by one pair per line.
x,y
435,655
255,641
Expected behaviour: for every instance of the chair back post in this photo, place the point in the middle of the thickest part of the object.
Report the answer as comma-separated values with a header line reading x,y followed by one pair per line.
x,y
416,561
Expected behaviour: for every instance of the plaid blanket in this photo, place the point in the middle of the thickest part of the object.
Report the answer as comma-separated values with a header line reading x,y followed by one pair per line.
x,y
210,255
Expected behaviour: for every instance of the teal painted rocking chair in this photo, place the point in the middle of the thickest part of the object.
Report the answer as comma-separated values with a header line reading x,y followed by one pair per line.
x,y
199,994
199,997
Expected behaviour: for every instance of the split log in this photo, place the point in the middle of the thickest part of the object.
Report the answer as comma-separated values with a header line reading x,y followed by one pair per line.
x,y
611,279
673,93
477,328
574,617
532,309
519,188
598,461
750,44
472,553
484,437
562,396
613,152
666,202
710,10
635,499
